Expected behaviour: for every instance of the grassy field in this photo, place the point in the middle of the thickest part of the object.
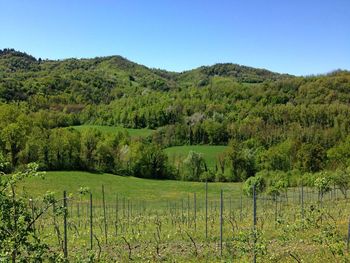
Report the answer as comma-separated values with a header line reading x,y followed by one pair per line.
x,y
129,187
113,129
210,152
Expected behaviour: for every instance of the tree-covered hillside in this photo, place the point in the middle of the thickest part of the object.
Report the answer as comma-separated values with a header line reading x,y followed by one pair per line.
x,y
270,121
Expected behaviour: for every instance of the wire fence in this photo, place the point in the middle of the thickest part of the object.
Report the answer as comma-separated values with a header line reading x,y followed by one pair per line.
x,y
193,224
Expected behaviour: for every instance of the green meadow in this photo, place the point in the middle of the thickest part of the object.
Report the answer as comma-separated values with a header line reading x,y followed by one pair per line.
x,y
209,152
125,186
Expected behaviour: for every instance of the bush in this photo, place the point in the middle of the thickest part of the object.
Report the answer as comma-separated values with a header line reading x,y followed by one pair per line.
x,y
19,242
207,176
257,181
220,177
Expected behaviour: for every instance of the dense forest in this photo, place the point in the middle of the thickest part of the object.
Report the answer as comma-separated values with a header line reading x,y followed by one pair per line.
x,y
271,122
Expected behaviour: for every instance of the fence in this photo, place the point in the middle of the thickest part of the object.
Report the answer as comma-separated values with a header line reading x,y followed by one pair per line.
x,y
195,223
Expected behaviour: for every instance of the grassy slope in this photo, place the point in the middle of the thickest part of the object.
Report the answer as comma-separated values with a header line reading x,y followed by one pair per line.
x,y
210,152
112,129
129,187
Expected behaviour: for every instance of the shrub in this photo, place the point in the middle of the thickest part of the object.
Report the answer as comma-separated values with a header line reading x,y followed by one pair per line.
x,y
257,181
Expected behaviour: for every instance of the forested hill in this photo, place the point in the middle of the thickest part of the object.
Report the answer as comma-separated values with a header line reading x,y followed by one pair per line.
x,y
101,79
271,121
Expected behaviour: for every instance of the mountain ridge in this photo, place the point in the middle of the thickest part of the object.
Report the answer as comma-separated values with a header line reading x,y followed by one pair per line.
x,y
13,52
104,79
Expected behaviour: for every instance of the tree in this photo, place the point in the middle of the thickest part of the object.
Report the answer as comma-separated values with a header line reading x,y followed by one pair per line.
x,y
311,157
341,178
221,158
216,131
151,162
194,166
89,141
64,149
339,155
36,148
279,157
242,160
14,137
108,154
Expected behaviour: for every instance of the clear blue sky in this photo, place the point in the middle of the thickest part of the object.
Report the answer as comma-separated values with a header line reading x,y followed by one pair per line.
x,y
294,36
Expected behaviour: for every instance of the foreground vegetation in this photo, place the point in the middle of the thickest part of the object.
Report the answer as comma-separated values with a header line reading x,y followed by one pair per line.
x,y
114,224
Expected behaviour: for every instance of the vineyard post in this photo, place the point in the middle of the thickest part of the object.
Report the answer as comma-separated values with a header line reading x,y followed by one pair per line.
x,y
302,200
130,208
221,219
254,223
276,207
78,212
188,210
124,208
91,223
348,239
104,212
122,215
182,210
32,207
206,209
280,201
241,208
175,209
195,211
116,214
230,207
65,224
128,213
